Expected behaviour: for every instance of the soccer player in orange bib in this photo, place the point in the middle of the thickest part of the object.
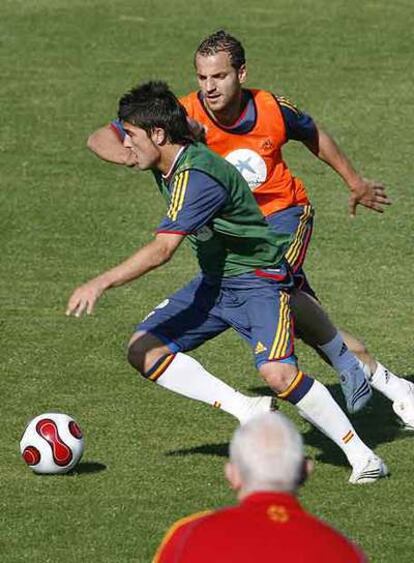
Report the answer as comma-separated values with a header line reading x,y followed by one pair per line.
x,y
249,128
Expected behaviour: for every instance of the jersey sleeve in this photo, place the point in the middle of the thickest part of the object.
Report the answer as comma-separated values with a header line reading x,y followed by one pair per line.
x,y
196,197
299,125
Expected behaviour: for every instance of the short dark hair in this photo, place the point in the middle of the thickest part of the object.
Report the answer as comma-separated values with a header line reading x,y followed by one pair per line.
x,y
221,41
152,105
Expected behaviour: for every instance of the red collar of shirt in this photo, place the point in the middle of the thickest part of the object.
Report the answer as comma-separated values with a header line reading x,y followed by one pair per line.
x,y
269,497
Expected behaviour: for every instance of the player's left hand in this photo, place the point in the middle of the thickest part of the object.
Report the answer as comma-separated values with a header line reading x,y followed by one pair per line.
x,y
368,193
84,297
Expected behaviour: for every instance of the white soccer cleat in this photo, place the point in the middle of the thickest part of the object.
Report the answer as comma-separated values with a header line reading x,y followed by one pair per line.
x,y
372,470
256,406
355,387
404,409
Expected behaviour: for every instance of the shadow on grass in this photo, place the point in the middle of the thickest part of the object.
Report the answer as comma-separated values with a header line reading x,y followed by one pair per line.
x,y
218,450
87,467
376,424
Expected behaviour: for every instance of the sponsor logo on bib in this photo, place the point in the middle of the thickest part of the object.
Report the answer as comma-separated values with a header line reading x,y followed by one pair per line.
x,y
250,165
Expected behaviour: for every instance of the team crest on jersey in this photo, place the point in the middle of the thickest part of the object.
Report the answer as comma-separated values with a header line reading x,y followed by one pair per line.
x,y
268,145
250,165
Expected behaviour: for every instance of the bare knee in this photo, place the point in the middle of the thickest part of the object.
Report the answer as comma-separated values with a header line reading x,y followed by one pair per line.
x,y
136,354
144,350
278,375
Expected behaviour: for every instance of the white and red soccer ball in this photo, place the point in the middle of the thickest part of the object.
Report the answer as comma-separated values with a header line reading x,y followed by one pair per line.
x,y
52,443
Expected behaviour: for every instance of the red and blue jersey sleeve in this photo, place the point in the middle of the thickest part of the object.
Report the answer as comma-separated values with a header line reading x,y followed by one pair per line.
x,y
195,199
299,125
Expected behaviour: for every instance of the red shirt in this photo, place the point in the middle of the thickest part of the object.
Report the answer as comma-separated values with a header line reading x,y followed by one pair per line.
x,y
264,527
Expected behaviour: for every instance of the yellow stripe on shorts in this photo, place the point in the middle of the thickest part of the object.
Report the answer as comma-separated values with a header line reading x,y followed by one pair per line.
x,y
295,248
283,329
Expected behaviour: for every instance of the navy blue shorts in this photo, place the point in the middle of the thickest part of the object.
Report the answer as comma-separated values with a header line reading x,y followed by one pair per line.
x,y
256,307
296,221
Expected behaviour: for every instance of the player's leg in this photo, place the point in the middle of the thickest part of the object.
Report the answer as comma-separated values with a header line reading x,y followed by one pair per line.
x,y
184,375
183,322
312,324
267,324
298,221
358,347
316,404
340,349
396,389
316,329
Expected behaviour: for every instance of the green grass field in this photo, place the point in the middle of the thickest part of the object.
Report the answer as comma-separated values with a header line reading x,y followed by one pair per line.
x,y
152,457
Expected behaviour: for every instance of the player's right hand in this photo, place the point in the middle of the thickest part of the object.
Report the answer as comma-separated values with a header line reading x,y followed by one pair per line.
x,y
84,297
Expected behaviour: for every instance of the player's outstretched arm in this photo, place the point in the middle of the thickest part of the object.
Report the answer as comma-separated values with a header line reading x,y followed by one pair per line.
x,y
107,145
151,256
368,193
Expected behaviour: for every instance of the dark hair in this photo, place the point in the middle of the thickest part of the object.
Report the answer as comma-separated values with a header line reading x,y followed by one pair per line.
x,y
152,105
221,41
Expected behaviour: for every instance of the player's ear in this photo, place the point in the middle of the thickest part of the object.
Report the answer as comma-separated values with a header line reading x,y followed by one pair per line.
x,y
242,74
233,476
158,136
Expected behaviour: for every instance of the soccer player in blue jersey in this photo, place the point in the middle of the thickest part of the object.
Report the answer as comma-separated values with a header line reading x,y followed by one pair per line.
x,y
244,283
249,127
